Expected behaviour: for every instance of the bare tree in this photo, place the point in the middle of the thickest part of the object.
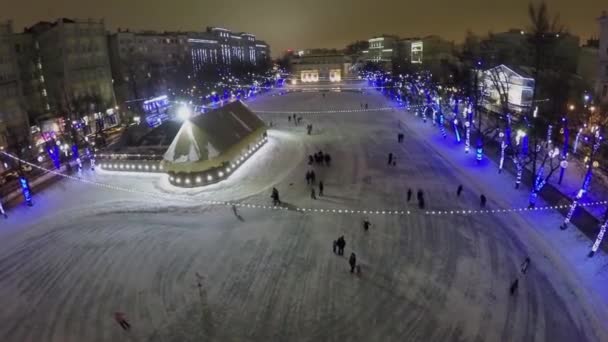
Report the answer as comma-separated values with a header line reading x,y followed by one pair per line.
x,y
543,32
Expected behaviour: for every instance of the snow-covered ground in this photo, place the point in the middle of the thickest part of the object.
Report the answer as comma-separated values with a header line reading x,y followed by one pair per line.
x,y
85,250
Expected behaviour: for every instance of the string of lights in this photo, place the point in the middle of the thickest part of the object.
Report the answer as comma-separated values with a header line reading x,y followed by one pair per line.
x,y
188,199
337,111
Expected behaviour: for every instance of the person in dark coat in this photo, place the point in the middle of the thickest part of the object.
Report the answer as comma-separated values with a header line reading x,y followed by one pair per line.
x,y
366,224
310,160
321,188
341,244
312,177
353,262
420,195
459,191
483,201
312,194
421,203
121,319
514,287
409,194
275,196
289,118
390,158
525,265
327,159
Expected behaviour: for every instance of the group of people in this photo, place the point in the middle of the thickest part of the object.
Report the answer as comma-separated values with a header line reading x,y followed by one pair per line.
x,y
296,119
319,158
482,198
338,247
400,137
419,195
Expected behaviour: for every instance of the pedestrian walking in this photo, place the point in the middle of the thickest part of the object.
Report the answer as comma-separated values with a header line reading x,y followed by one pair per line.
x,y
514,286
341,244
121,319
459,190
525,265
366,224
390,158
312,194
395,161
353,262
420,195
409,194
309,129
308,177
310,159
421,203
321,188
366,106
327,159
275,196
289,118
482,200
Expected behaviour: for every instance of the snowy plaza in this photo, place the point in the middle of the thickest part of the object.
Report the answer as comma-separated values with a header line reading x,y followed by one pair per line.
x,y
220,263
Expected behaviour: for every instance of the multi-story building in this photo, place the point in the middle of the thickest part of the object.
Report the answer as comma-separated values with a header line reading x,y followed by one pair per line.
x,y
33,83
76,70
14,123
602,79
221,46
148,64
327,67
381,49
145,64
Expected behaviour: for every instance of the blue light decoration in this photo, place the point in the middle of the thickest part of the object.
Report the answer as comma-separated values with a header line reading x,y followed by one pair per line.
x,y
91,157
503,147
600,236
53,152
521,140
441,119
564,163
597,140
576,139
479,150
25,189
467,126
455,120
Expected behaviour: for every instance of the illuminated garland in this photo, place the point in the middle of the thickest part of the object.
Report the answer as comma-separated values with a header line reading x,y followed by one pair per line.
x,y
301,209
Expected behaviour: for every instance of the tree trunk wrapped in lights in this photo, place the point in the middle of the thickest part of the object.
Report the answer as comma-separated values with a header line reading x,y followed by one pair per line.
x,y
590,163
564,163
540,180
600,236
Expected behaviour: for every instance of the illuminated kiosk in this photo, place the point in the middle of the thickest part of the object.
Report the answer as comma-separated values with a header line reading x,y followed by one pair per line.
x,y
210,146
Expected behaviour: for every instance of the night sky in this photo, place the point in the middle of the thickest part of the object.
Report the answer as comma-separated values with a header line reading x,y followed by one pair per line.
x,y
309,23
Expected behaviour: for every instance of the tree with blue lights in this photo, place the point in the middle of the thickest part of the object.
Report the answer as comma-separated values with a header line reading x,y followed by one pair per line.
x,y
590,163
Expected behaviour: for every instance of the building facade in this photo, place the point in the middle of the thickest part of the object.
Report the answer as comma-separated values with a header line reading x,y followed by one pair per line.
x,y
145,64
149,64
602,78
14,123
75,65
312,68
